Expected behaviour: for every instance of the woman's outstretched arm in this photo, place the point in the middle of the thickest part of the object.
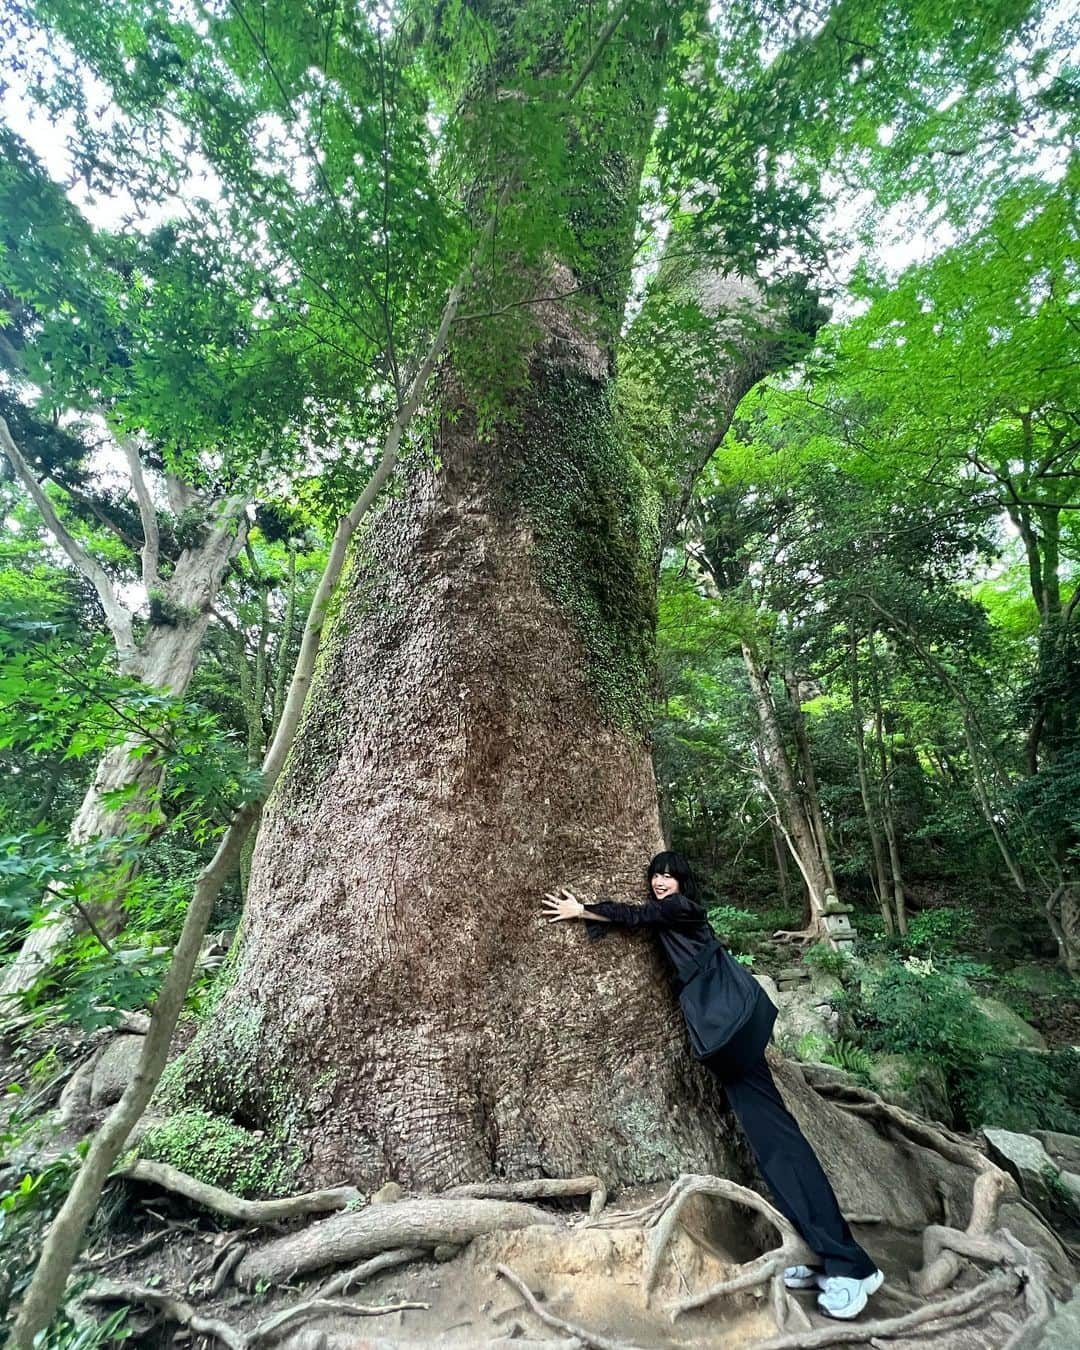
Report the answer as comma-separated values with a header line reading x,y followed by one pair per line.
x,y
670,912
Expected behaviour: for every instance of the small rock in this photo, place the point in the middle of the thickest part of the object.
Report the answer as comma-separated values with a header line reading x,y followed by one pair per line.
x,y
913,1085
1061,1332
114,1070
74,1106
1063,1148
1026,1159
826,987
1070,1186
1011,1027
804,1014
387,1194
769,985
827,1075
1035,978
445,1251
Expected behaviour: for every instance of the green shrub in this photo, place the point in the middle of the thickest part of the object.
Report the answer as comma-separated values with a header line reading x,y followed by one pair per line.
x,y
828,960
940,932
26,1211
916,1009
845,1054
1022,1090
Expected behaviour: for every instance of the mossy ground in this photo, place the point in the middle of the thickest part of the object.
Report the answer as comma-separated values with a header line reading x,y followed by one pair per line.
x,y
219,1152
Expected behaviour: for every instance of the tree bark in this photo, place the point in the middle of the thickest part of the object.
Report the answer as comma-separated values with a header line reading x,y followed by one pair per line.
x,y
473,739
885,796
810,787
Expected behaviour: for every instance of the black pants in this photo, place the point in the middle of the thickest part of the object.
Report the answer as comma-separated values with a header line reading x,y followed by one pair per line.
x,y
799,1186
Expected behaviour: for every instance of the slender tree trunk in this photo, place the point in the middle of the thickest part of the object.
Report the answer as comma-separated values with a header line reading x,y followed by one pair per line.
x,y
880,872
164,659
779,843
798,829
284,644
885,795
809,778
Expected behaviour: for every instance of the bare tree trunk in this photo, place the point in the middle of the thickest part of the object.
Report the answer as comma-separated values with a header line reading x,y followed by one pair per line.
x,y
880,871
164,659
885,796
809,778
798,829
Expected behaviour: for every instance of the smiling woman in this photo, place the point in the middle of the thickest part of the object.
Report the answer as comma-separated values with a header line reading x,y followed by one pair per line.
x,y
730,1019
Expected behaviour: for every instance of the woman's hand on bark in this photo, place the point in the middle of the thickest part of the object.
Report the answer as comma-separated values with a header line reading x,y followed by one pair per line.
x,y
565,905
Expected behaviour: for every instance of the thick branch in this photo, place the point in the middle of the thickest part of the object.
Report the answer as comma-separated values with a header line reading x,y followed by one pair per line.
x,y
151,548
117,617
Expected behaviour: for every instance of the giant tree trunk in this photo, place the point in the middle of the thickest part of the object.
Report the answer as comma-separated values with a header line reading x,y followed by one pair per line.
x,y
399,1006
475,736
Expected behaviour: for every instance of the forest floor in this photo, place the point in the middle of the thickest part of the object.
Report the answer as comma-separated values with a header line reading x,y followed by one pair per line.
x,y
153,1247
590,1276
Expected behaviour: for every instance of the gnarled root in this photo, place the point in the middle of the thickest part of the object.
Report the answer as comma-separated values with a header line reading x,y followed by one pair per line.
x,y
945,1248
181,1312
233,1206
541,1188
579,1335
764,1270
980,1298
424,1223
801,937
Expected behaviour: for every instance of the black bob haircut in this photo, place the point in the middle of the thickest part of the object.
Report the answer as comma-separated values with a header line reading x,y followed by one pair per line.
x,y
672,865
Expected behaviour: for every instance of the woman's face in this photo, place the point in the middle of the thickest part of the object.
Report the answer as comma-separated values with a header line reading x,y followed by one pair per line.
x,y
663,885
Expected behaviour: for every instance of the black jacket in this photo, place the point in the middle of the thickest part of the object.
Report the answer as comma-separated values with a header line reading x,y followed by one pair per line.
x,y
729,1016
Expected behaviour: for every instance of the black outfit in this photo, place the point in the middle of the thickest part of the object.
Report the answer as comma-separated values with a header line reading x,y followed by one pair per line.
x,y
799,1186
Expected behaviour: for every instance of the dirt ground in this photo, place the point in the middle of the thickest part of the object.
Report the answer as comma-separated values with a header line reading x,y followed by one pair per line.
x,y
588,1275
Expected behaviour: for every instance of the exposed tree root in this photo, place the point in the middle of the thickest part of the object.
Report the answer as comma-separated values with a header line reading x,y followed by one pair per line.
x,y
767,1269
945,1248
300,1312
408,1223
179,1311
941,1258
384,1261
175,1309
232,1206
227,1266
147,1244
579,1334
542,1188
840,1333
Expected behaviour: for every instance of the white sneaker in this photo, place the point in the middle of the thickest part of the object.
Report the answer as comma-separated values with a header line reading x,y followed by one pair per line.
x,y
843,1296
804,1277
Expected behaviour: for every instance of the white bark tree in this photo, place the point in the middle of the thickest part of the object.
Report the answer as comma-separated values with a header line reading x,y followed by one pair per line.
x,y
161,654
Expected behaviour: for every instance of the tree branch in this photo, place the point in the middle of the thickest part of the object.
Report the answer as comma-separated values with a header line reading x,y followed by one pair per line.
x,y
151,548
117,617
